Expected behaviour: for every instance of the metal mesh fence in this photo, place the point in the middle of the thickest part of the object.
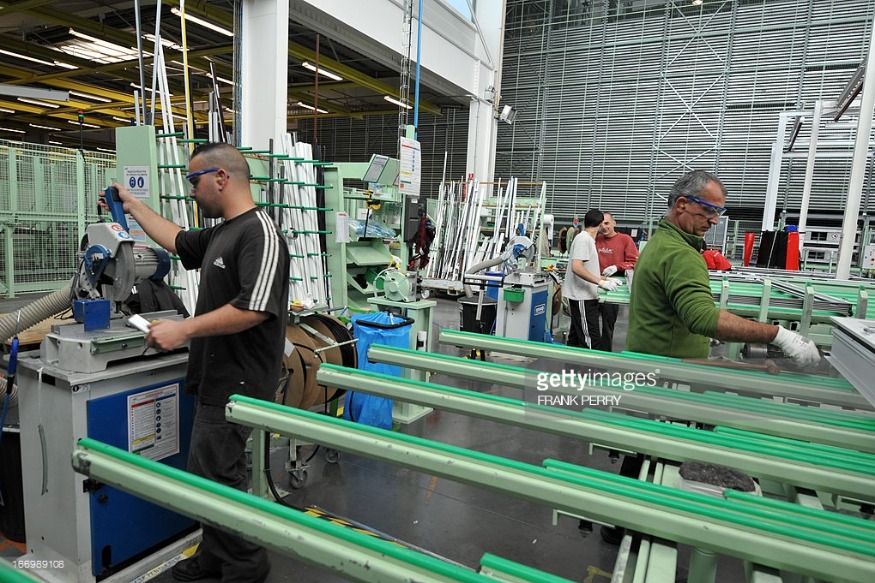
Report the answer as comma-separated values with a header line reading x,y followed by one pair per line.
x,y
47,196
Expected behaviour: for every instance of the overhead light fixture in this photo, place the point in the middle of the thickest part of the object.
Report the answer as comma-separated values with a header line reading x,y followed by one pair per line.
x,y
54,143
121,119
106,150
35,60
85,125
697,2
164,42
149,89
322,71
397,102
12,130
39,127
4,110
310,107
93,97
37,102
106,51
204,23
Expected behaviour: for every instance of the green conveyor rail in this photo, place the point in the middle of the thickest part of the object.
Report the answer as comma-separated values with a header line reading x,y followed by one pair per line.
x,y
826,449
850,461
860,540
656,496
836,383
853,525
10,574
492,563
848,419
803,453
292,515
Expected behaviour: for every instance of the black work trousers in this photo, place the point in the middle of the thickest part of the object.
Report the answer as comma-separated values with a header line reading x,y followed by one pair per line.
x,y
218,453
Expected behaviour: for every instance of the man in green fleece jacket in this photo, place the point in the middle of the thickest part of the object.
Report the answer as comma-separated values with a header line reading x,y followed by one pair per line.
x,y
671,309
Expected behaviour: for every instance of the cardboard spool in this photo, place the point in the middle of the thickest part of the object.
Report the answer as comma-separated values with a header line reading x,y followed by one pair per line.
x,y
303,361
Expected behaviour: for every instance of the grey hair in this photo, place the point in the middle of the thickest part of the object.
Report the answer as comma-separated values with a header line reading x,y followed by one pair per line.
x,y
692,184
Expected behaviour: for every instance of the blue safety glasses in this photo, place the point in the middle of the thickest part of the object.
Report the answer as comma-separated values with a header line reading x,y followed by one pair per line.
x,y
195,176
711,210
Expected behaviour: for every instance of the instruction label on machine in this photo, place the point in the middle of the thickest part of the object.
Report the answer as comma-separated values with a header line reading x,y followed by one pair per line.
x,y
153,422
411,167
136,180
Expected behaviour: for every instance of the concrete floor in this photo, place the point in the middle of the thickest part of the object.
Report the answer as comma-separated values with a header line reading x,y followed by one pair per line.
x,y
453,520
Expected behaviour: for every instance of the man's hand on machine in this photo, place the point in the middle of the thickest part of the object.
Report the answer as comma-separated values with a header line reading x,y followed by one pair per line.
x,y
801,349
166,335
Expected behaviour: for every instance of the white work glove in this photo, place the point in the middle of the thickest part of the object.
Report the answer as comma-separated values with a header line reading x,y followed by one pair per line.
x,y
609,270
801,349
609,284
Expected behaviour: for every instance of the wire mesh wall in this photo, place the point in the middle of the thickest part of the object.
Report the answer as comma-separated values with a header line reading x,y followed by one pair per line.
x,y
617,99
47,196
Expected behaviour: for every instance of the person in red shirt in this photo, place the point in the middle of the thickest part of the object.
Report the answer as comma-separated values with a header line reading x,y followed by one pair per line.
x,y
617,253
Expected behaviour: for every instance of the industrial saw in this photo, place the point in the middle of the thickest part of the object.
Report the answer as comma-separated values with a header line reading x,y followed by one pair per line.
x,y
110,266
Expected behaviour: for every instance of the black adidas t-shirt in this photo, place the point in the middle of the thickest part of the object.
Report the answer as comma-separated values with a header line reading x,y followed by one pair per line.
x,y
244,262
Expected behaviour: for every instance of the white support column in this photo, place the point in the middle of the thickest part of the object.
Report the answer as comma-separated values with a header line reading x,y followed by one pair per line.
x,y
809,171
482,125
774,175
264,67
858,169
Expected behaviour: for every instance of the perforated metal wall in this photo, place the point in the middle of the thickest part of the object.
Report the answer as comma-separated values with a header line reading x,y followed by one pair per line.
x,y
616,99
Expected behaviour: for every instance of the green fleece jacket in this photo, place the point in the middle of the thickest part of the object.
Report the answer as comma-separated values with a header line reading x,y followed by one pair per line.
x,y
671,308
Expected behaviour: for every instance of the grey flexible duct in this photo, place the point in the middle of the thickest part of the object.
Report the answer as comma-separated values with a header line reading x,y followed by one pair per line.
x,y
480,266
31,315
35,312
13,396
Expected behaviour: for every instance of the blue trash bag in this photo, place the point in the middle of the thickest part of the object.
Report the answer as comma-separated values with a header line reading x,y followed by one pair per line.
x,y
375,328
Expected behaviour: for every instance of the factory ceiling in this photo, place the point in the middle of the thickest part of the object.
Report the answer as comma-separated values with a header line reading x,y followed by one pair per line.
x,y
89,48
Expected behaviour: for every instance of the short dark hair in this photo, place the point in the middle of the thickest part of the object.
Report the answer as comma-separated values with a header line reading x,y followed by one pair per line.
x,y
593,218
224,155
692,184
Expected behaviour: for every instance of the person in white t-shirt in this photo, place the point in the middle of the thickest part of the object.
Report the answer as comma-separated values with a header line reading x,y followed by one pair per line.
x,y
582,282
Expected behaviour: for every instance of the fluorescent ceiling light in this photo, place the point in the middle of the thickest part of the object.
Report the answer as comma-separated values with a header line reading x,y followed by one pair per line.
x,y
4,110
14,131
697,2
37,102
35,60
149,89
164,42
105,150
322,71
55,143
122,119
85,125
33,125
107,48
310,107
398,102
89,96
204,23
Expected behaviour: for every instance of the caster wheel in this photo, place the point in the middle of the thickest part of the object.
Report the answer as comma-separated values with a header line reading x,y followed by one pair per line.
x,y
297,479
332,456
424,294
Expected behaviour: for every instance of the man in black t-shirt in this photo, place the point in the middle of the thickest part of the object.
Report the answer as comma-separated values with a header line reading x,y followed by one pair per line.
x,y
235,339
